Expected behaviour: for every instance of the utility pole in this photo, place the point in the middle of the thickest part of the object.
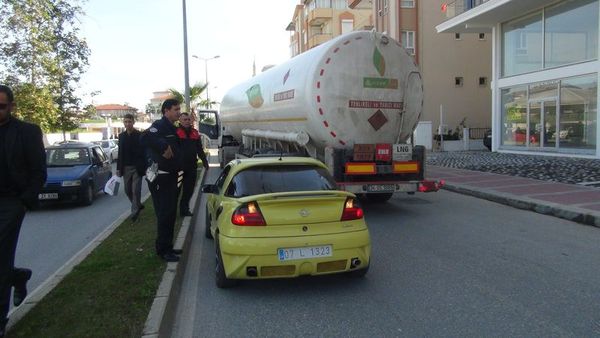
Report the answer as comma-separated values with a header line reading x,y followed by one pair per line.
x,y
185,61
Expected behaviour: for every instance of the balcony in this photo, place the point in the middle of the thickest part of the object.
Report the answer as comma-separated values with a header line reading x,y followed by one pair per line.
x,y
458,7
319,38
318,16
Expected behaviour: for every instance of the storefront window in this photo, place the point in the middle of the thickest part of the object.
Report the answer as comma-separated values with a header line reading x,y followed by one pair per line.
x,y
514,116
578,112
571,32
522,45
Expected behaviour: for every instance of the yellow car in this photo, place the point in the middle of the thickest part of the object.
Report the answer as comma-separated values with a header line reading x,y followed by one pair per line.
x,y
283,217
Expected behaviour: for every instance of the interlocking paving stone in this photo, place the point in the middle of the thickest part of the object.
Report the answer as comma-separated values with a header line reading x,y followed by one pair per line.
x,y
542,188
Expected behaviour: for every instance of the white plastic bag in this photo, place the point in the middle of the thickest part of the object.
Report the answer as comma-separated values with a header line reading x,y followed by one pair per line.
x,y
112,186
152,171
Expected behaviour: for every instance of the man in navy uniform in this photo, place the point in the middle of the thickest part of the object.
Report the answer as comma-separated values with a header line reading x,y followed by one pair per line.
x,y
191,147
22,175
163,148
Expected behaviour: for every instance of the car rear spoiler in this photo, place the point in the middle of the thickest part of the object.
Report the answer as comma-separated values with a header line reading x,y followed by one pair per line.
x,y
296,194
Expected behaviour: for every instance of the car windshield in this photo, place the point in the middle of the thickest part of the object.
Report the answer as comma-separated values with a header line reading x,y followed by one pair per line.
x,y
280,178
60,157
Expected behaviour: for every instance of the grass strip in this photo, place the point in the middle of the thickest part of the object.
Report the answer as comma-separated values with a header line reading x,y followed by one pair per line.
x,y
109,294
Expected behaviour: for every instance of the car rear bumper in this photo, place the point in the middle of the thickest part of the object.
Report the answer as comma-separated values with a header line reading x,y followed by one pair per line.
x,y
239,254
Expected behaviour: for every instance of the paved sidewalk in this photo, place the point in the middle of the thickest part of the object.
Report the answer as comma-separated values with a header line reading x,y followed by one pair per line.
x,y
569,201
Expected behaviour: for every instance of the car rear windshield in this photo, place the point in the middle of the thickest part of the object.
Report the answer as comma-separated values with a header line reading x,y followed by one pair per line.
x,y
280,178
61,157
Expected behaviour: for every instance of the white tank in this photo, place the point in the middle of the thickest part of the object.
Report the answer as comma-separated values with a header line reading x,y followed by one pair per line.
x,y
360,87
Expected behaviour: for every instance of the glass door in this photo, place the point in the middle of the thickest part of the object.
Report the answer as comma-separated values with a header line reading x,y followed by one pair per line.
x,y
541,123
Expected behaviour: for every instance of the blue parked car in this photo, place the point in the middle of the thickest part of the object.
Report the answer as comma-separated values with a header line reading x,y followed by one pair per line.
x,y
76,172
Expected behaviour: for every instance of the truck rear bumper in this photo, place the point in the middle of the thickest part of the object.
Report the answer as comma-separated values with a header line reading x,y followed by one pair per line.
x,y
390,186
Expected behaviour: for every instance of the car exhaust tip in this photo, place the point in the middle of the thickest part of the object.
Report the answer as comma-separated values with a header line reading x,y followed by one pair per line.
x,y
251,271
354,262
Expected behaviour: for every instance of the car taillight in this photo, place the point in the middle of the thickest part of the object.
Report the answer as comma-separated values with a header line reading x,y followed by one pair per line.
x,y
248,215
351,210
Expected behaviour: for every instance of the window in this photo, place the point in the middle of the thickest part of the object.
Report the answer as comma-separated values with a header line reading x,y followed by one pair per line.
x,y
482,81
514,116
458,81
383,7
408,41
578,112
407,3
522,45
571,32
456,36
279,178
347,26
481,36
221,180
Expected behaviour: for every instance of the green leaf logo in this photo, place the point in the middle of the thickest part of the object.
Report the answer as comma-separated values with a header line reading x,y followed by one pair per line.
x,y
255,96
379,61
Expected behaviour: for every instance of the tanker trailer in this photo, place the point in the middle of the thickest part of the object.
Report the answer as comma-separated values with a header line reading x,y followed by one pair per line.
x,y
352,103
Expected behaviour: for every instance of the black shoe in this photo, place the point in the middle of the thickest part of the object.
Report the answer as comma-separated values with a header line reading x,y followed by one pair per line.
x,y
186,213
142,207
135,216
177,251
20,278
170,257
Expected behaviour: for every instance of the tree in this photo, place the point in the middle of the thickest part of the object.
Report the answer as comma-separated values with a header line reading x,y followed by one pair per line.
x,y
40,45
195,94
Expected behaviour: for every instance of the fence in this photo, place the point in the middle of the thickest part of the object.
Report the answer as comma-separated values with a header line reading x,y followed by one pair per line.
x,y
477,133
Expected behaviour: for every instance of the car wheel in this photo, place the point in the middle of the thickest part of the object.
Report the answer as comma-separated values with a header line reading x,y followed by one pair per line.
x,y
220,278
88,197
359,273
207,233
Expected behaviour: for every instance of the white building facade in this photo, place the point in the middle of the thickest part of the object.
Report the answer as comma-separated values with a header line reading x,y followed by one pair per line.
x,y
545,72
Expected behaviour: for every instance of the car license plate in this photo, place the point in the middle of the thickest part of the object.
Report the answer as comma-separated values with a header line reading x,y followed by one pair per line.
x,y
48,196
402,152
288,254
381,188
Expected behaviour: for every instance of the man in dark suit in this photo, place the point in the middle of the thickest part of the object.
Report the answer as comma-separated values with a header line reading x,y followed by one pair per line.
x,y
131,164
22,175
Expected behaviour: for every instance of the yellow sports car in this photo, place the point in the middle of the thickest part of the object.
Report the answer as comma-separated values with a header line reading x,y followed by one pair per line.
x,y
283,217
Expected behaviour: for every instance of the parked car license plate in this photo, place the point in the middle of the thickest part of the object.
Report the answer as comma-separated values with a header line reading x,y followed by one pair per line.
x,y
48,196
288,254
381,188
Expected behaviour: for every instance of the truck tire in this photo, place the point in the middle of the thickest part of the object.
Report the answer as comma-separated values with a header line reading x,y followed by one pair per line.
x,y
379,198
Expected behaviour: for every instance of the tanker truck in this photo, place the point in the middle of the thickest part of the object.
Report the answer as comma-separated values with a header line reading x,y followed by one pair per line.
x,y
352,103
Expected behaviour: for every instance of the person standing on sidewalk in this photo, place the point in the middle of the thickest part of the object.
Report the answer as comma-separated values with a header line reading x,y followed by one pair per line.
x,y
22,176
131,164
191,146
163,148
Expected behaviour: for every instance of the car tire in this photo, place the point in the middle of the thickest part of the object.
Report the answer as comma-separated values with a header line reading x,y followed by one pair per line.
x,y
221,279
207,232
359,273
88,197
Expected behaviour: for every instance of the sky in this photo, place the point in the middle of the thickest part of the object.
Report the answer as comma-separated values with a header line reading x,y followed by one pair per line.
x,y
137,45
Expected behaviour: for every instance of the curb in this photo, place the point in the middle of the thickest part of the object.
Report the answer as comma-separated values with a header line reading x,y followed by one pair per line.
x,y
161,315
51,282
574,214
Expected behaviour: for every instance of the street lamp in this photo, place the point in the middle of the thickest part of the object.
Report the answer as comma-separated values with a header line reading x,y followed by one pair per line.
x,y
206,72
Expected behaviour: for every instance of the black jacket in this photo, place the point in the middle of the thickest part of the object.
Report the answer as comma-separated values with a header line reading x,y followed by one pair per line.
x,y
26,160
161,134
131,149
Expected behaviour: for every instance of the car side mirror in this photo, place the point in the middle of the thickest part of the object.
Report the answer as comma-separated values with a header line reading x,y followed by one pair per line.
x,y
210,189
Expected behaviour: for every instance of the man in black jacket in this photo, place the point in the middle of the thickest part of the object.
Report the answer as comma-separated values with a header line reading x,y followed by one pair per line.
x,y
163,148
22,175
191,146
131,164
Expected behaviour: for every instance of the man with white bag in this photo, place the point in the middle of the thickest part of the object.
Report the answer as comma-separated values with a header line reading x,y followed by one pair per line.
x,y
131,164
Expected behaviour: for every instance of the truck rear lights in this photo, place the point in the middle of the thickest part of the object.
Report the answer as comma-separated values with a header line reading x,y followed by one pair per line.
x,y
248,214
360,168
406,167
431,186
351,210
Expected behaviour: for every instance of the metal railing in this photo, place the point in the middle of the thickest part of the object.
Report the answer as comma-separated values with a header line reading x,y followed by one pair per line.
x,y
477,133
458,7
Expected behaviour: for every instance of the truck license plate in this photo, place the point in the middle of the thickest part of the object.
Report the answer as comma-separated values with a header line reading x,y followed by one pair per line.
x,y
381,188
402,152
48,196
288,254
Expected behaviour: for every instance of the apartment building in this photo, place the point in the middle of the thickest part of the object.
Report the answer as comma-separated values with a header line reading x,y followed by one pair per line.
x,y
317,21
545,72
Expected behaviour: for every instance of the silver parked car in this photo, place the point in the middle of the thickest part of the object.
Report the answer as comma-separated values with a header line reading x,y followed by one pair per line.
x,y
111,149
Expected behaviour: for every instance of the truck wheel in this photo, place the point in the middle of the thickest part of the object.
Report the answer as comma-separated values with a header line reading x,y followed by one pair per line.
x,y
379,198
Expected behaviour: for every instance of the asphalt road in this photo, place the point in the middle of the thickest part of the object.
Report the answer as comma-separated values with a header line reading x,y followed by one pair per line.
x,y
443,264
52,235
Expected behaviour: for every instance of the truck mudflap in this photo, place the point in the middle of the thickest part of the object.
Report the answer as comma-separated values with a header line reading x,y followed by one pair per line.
x,y
374,187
